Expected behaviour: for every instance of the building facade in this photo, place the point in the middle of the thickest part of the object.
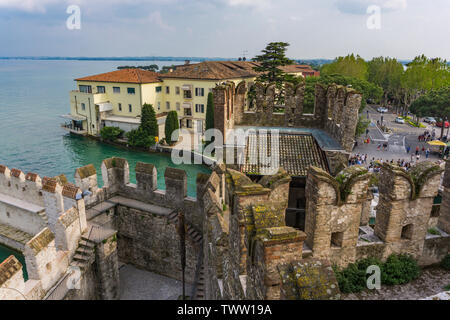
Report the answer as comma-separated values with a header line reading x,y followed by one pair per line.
x,y
116,98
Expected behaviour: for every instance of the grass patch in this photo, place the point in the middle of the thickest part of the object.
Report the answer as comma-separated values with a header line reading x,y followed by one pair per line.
x,y
434,232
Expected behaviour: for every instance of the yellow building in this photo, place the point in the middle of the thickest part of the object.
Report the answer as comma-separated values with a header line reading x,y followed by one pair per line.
x,y
116,98
111,99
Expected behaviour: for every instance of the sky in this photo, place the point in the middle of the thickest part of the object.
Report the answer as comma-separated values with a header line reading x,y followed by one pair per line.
x,y
226,28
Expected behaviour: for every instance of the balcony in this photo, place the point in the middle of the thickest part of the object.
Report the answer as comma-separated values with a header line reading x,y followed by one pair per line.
x,y
96,98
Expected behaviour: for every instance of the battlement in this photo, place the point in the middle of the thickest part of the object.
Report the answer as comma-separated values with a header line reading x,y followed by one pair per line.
x,y
335,108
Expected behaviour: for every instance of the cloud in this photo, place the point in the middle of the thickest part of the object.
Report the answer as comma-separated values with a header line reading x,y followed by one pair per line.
x,y
260,4
157,19
27,5
359,7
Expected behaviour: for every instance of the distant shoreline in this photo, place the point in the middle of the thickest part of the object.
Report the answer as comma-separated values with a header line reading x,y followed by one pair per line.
x,y
318,61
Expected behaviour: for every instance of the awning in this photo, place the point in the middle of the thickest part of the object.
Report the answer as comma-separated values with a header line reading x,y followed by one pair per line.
x,y
437,143
73,117
187,105
105,107
186,87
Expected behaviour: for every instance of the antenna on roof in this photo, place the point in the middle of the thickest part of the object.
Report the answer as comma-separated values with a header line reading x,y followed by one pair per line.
x,y
244,54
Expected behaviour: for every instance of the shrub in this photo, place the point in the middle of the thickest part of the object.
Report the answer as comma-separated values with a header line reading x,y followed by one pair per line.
x,y
445,263
399,269
111,133
170,126
354,277
139,138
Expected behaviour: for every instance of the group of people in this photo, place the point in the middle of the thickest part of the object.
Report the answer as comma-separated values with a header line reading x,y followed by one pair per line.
x,y
426,136
375,164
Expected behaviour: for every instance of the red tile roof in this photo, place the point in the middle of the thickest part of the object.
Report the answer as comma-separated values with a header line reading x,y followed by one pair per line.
x,y
222,70
214,70
133,75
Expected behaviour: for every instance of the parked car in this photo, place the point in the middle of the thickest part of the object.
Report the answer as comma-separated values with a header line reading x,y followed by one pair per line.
x,y
430,120
446,124
399,120
382,110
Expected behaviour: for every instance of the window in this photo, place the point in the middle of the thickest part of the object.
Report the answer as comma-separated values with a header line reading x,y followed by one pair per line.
x,y
83,106
168,105
187,112
199,92
130,108
210,90
101,89
120,107
158,89
167,90
407,232
187,94
178,106
177,90
159,105
200,108
336,239
85,89
116,89
131,91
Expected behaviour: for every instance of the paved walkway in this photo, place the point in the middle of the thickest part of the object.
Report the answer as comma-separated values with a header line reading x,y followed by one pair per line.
x,y
137,284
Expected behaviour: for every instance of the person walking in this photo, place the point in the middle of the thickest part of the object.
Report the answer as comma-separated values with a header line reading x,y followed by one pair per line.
x,y
427,153
408,148
417,150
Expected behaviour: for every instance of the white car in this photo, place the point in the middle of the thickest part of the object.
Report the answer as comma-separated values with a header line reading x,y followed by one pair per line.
x,y
382,110
399,120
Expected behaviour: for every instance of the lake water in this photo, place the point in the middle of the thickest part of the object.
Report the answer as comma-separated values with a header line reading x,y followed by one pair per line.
x,y
33,94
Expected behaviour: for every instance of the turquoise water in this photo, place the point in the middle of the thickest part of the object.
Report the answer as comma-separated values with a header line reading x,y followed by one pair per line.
x,y
6,252
33,94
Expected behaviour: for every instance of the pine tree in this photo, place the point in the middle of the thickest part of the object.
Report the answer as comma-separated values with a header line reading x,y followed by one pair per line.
x,y
170,126
273,57
149,124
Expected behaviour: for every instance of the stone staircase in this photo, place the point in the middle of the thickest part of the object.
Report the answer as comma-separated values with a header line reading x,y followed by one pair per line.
x,y
200,286
84,254
197,238
43,215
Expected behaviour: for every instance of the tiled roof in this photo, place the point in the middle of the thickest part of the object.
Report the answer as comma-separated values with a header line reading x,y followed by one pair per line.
x,y
293,68
133,75
214,70
222,70
8,268
297,152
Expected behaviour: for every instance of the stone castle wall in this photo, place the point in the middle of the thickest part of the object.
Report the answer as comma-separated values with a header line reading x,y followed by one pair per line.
x,y
335,109
251,254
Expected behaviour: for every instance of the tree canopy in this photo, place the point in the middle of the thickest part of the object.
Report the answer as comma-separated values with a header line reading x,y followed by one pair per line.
x,y
435,103
351,66
272,57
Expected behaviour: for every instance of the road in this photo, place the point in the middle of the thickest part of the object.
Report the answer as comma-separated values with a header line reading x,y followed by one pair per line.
x,y
401,136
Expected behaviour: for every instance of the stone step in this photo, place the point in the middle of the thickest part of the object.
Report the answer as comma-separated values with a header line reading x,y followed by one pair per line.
x,y
86,244
80,257
85,250
79,264
86,239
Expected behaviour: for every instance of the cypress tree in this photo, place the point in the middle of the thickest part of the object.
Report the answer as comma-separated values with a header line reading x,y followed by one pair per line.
x,y
210,112
149,124
209,116
170,126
